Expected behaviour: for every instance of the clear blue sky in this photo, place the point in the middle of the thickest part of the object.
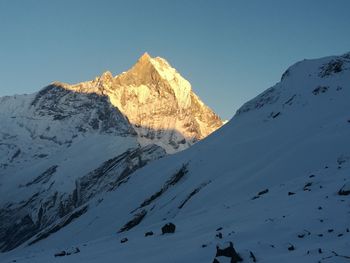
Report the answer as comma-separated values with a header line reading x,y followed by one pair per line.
x,y
229,50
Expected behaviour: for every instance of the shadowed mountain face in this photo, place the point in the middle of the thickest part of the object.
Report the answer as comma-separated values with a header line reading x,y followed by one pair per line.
x,y
66,144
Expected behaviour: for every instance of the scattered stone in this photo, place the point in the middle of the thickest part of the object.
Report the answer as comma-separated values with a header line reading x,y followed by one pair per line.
x,y
320,235
227,250
275,115
306,186
219,235
149,233
320,251
345,190
123,240
320,208
330,230
60,254
291,193
319,89
311,176
347,230
218,229
260,194
291,248
204,245
168,228
263,192
304,233
340,235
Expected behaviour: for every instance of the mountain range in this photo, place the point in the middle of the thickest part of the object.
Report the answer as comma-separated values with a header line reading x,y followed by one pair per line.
x,y
271,185
59,145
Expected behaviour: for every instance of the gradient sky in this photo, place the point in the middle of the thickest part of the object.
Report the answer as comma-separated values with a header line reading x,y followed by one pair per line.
x,y
230,50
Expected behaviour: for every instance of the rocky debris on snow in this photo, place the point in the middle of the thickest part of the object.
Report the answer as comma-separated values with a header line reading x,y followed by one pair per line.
x,y
68,252
333,67
168,228
62,223
320,89
149,233
134,222
307,186
345,190
290,100
195,191
275,115
291,247
260,194
304,233
268,97
226,250
169,183
124,240
60,254
219,235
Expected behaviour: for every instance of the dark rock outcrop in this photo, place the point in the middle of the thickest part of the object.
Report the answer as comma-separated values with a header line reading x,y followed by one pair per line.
x,y
168,228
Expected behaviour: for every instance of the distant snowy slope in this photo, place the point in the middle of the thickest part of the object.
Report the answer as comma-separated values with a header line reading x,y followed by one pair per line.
x,y
269,181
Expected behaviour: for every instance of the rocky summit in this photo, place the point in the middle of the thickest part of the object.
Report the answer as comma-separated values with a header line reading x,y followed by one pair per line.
x,y
158,102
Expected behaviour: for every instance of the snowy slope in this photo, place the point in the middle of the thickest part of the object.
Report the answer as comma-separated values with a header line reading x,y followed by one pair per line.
x,y
270,178
57,146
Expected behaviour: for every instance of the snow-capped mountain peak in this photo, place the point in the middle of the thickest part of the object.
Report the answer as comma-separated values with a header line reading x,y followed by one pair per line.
x,y
158,102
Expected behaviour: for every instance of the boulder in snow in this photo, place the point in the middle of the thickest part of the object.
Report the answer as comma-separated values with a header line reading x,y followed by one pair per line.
x,y
345,190
227,251
168,228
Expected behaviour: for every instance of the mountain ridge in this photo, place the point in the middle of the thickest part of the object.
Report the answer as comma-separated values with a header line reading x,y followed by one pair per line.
x,y
155,96
58,145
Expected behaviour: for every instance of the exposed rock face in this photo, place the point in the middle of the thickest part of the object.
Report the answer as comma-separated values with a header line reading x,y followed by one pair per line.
x,y
158,102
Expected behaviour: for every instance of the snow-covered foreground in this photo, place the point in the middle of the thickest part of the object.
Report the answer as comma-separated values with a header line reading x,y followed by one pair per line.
x,y
268,181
